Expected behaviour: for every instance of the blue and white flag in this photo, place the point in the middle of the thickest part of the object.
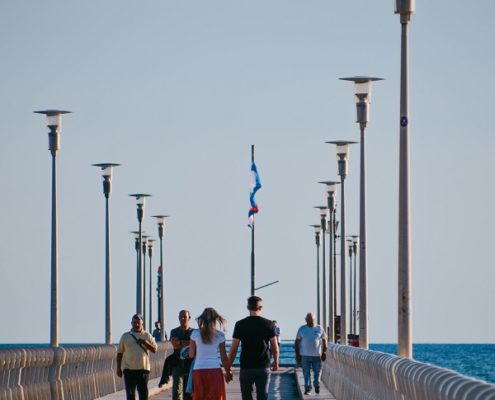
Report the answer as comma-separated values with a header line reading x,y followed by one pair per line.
x,y
255,186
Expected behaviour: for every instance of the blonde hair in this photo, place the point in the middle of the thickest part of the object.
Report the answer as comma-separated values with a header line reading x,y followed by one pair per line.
x,y
207,323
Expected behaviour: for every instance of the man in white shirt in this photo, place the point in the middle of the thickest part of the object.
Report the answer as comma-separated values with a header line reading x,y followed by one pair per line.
x,y
133,359
311,345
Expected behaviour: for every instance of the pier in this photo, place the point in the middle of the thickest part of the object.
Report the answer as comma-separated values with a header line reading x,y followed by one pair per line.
x,y
88,372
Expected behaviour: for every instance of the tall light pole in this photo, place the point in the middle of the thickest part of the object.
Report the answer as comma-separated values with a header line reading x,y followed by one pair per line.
x,y
351,287
342,158
405,8
144,244
150,254
331,205
317,229
54,123
137,247
362,97
161,313
323,220
106,169
355,245
140,201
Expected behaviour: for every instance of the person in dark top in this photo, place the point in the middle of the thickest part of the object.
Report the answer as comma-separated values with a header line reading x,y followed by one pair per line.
x,y
180,337
256,335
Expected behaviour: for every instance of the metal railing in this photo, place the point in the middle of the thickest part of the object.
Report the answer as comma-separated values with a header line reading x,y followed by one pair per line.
x,y
354,373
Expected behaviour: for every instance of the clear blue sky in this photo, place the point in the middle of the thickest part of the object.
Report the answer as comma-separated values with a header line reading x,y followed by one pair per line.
x,y
178,91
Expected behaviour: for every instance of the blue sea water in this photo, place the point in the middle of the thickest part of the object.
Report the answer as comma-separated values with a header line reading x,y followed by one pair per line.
x,y
474,360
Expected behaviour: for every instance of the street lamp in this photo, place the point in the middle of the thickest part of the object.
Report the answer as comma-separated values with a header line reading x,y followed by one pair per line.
x,y
317,229
106,169
342,147
140,200
150,254
331,205
362,96
351,280
161,317
54,123
323,217
405,8
355,246
144,244
137,247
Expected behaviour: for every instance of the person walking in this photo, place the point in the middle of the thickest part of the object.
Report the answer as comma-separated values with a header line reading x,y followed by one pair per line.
x,y
133,361
311,346
180,338
256,336
205,345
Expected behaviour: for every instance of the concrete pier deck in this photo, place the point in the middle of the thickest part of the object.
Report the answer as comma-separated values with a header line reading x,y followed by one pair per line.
x,y
285,384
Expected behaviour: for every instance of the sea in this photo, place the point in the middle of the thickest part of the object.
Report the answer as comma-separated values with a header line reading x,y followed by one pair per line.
x,y
473,360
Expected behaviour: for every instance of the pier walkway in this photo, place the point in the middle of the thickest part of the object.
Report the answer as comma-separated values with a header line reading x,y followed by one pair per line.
x,y
285,384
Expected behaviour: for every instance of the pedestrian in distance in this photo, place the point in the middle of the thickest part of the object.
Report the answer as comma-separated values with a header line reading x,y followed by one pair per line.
x,y
206,344
157,332
180,338
133,361
311,346
256,336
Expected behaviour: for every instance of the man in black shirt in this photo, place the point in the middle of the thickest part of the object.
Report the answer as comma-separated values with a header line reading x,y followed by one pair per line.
x,y
180,337
256,334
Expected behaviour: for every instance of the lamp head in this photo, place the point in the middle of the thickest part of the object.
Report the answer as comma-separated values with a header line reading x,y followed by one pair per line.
x,y
140,198
317,229
342,148
330,186
106,169
160,219
405,7
53,117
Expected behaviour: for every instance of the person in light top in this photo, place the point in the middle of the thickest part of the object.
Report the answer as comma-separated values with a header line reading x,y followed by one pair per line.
x,y
310,346
206,342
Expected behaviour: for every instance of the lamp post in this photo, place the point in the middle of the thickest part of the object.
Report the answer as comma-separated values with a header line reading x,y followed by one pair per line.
x,y
351,288
54,123
405,8
161,314
144,244
355,246
317,229
362,97
137,247
331,205
342,158
106,169
140,201
323,220
150,254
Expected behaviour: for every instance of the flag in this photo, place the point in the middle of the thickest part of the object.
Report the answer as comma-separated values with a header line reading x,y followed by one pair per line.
x,y
255,186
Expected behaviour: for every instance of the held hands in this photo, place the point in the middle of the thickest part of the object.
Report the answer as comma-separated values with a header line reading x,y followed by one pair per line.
x,y
275,365
228,376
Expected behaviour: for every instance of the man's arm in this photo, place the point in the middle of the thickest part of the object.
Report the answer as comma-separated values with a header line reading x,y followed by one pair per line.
x,y
323,349
119,365
233,350
149,344
274,347
296,348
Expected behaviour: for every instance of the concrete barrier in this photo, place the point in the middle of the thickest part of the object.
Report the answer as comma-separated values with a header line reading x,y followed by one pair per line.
x,y
353,373
66,373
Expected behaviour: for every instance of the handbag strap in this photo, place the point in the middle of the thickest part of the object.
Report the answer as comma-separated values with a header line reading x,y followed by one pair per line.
x,y
139,344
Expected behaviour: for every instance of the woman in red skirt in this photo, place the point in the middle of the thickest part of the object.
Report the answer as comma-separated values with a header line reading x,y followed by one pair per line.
x,y
206,342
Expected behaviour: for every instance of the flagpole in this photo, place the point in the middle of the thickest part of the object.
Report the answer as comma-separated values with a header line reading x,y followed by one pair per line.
x,y
253,269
